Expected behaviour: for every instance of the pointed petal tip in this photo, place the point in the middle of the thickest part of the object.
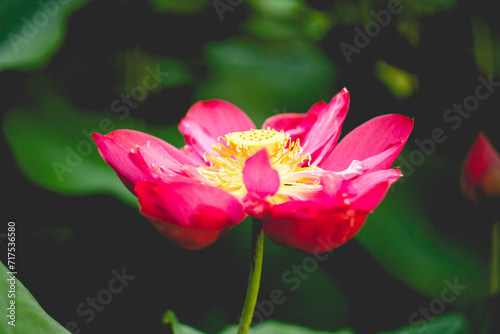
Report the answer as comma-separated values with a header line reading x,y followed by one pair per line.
x,y
482,139
344,93
389,129
96,136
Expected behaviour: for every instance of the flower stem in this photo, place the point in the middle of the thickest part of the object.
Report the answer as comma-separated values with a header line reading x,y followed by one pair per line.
x,y
495,259
254,276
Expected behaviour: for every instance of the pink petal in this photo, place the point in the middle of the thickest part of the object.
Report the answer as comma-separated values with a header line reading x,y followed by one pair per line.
x,y
118,158
197,140
191,215
319,129
206,121
121,149
481,169
319,225
261,181
297,125
152,159
379,161
369,140
130,139
355,169
260,178
324,133
199,160
312,226
372,187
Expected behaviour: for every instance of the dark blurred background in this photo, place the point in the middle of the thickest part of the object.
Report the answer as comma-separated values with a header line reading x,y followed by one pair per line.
x,y
69,68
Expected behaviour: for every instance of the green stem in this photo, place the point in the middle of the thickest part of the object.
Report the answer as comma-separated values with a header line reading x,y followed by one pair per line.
x,y
495,259
254,276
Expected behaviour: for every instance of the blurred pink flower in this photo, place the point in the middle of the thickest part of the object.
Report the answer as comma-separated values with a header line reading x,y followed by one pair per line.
x,y
481,169
311,193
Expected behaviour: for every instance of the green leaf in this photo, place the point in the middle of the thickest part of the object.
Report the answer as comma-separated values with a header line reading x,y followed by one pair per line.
x,y
170,319
399,232
483,46
435,6
399,82
179,6
29,315
51,143
31,31
275,327
449,323
268,78
278,8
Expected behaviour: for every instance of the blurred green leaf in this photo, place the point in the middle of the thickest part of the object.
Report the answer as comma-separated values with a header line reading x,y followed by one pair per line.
x,y
179,6
317,24
51,142
171,320
427,7
347,12
60,233
178,72
31,31
485,319
269,28
450,323
137,64
278,8
402,237
434,6
483,46
275,327
265,327
262,78
410,28
496,51
401,83
28,314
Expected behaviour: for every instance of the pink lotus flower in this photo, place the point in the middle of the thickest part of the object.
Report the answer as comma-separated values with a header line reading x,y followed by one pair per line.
x,y
481,169
311,193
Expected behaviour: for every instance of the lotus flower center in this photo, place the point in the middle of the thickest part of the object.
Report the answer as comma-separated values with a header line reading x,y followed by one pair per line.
x,y
254,140
297,179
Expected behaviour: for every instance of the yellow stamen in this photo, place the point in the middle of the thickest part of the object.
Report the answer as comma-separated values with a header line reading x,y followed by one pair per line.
x,y
286,157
